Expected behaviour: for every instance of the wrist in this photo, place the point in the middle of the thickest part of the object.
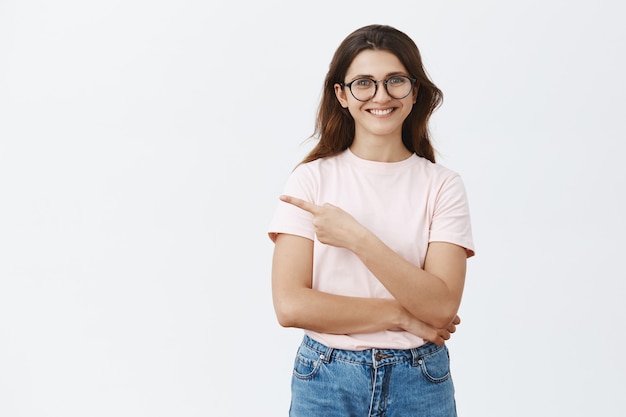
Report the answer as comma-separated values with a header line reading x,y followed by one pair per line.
x,y
361,240
398,315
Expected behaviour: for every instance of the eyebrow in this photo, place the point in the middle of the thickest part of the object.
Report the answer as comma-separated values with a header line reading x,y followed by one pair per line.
x,y
391,74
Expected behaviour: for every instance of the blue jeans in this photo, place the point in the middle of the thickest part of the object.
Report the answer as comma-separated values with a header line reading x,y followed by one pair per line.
x,y
331,382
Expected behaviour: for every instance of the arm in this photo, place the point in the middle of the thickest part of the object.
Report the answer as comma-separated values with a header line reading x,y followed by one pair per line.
x,y
298,305
432,294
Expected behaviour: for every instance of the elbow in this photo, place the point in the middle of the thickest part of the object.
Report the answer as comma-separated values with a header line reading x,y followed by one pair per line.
x,y
443,316
290,307
441,322
286,314
285,320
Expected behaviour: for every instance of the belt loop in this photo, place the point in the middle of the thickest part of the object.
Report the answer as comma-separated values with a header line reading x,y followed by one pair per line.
x,y
325,357
415,357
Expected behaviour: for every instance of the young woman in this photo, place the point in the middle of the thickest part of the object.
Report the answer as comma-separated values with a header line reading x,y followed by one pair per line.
x,y
371,241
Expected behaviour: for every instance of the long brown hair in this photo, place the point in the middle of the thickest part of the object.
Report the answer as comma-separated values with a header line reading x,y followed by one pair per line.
x,y
334,126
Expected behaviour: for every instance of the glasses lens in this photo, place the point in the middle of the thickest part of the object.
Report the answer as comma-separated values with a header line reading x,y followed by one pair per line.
x,y
363,89
399,87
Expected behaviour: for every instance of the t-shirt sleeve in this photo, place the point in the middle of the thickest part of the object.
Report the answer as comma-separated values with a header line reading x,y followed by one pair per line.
x,y
289,218
451,218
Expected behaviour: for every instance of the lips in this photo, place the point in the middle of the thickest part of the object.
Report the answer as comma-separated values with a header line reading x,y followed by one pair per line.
x,y
380,112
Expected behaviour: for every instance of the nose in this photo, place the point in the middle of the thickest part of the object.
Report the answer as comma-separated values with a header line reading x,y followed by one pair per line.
x,y
381,95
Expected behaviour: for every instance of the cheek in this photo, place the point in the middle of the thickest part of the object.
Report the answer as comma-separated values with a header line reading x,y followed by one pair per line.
x,y
354,108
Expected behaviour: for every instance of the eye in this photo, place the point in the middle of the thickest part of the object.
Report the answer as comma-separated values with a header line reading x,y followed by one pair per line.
x,y
397,81
362,83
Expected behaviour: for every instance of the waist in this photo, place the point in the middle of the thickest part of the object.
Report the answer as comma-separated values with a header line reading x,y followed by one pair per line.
x,y
374,357
386,339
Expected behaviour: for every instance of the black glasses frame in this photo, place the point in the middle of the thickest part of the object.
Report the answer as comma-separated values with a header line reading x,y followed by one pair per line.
x,y
349,85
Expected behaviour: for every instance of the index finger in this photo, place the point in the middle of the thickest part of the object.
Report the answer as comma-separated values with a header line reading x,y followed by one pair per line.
x,y
304,205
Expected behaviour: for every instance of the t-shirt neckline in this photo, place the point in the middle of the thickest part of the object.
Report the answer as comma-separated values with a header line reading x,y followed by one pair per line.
x,y
377,166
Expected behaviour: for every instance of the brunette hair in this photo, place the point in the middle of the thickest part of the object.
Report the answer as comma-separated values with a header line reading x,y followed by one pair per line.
x,y
334,126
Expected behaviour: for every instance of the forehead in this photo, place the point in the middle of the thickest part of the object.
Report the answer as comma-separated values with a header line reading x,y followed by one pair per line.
x,y
376,63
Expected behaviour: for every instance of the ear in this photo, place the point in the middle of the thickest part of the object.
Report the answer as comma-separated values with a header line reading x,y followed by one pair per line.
x,y
415,91
340,93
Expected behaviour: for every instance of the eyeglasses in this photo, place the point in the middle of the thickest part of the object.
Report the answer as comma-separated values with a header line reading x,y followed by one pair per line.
x,y
364,89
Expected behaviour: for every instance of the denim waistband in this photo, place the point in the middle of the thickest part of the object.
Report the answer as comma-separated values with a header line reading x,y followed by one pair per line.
x,y
374,357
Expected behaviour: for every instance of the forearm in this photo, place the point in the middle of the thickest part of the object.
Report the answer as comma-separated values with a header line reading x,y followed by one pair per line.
x,y
425,295
336,314
309,309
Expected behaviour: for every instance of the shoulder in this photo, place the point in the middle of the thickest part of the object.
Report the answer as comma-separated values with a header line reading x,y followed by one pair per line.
x,y
318,165
309,175
434,172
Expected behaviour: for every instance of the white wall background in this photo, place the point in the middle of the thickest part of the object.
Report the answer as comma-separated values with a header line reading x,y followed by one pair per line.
x,y
143,145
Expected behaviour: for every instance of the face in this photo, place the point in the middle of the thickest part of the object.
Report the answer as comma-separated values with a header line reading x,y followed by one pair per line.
x,y
383,115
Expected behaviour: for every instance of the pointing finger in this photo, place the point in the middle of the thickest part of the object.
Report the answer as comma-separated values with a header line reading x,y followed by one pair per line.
x,y
304,205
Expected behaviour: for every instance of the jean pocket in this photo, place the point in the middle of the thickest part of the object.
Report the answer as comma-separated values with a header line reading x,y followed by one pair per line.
x,y
307,363
436,365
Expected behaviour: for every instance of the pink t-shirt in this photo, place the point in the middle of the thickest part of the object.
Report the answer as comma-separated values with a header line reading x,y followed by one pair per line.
x,y
407,204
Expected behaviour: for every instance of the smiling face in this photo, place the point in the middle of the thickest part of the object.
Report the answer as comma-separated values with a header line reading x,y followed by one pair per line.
x,y
382,116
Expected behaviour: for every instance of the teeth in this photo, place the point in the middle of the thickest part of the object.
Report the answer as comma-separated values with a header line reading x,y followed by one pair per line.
x,y
378,112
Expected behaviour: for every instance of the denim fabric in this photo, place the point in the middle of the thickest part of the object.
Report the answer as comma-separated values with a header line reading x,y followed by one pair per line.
x,y
330,382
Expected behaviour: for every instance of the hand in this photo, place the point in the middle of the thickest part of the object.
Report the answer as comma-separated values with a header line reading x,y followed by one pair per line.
x,y
333,226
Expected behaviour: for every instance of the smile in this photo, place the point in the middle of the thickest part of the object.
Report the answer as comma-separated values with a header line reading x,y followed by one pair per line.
x,y
380,112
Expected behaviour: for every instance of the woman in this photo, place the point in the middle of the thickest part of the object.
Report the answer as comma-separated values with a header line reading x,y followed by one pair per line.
x,y
371,241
